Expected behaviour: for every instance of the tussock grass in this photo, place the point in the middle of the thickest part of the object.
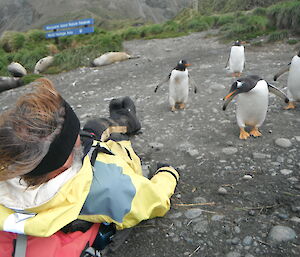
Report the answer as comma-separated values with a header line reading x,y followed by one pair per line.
x,y
286,16
278,36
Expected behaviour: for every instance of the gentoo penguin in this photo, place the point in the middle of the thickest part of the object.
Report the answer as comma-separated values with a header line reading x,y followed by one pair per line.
x,y
236,59
111,57
178,85
293,81
43,64
16,70
252,103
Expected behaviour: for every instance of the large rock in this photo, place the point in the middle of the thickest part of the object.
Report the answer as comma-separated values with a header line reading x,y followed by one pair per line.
x,y
279,234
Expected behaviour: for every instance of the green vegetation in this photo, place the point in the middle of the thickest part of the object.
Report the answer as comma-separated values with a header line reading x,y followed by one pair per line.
x,y
29,78
278,22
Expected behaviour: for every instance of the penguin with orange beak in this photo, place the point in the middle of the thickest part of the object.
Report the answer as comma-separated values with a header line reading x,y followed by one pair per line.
x,y
178,86
252,103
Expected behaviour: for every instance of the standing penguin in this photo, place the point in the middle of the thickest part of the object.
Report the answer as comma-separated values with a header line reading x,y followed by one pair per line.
x,y
178,86
293,81
252,103
236,59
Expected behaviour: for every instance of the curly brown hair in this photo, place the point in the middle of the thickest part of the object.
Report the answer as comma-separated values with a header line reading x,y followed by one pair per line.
x,y
27,130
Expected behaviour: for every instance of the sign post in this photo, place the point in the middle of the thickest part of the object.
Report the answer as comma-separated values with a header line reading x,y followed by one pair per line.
x,y
69,28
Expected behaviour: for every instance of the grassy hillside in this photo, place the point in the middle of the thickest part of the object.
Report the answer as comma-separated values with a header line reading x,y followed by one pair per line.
x,y
278,22
207,7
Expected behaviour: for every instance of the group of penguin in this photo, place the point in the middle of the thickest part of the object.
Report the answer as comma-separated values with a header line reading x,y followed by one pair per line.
x,y
251,91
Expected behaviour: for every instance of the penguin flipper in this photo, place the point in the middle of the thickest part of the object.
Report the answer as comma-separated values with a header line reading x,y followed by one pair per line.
x,y
227,61
278,92
194,84
279,73
161,83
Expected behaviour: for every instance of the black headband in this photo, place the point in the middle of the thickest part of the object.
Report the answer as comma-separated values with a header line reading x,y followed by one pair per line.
x,y
62,146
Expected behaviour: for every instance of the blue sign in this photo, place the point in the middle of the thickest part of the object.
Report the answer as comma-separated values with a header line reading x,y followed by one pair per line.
x,y
70,32
69,24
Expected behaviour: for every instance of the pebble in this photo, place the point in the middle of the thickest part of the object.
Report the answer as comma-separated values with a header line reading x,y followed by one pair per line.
x,y
251,213
286,172
237,229
175,215
297,138
235,241
293,180
156,145
261,156
193,152
280,159
200,226
247,241
283,142
229,150
217,217
247,177
295,219
280,234
233,254
222,191
193,213
216,86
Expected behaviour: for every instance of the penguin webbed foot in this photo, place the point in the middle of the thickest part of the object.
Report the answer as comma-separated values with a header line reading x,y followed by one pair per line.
x,y
244,134
291,105
181,106
255,132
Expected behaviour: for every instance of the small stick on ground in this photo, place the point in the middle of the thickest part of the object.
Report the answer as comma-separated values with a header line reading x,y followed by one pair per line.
x,y
257,208
195,251
194,204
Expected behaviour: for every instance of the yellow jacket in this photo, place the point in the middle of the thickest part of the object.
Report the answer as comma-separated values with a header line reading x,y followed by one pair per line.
x,y
114,190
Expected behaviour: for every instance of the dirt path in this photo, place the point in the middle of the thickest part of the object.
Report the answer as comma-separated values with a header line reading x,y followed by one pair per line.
x,y
202,142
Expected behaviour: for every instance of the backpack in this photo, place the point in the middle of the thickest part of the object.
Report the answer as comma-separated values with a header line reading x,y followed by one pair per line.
x,y
59,244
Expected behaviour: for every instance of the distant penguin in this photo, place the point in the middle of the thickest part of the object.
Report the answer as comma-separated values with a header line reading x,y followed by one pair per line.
x,y
236,59
43,64
293,81
16,70
252,103
111,57
178,85
7,83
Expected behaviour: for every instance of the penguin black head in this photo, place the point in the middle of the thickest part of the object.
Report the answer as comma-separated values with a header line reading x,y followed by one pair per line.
x,y
237,43
242,85
181,65
298,53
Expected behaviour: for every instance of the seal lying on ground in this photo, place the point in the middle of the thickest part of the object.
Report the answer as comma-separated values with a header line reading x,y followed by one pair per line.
x,y
111,57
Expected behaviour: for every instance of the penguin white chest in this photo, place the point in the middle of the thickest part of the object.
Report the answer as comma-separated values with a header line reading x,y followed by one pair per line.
x,y
237,59
252,106
293,83
179,86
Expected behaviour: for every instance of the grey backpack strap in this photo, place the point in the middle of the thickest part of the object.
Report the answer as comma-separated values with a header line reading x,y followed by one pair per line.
x,y
20,248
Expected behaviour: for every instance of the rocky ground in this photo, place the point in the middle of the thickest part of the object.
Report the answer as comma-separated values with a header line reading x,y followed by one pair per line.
x,y
235,198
